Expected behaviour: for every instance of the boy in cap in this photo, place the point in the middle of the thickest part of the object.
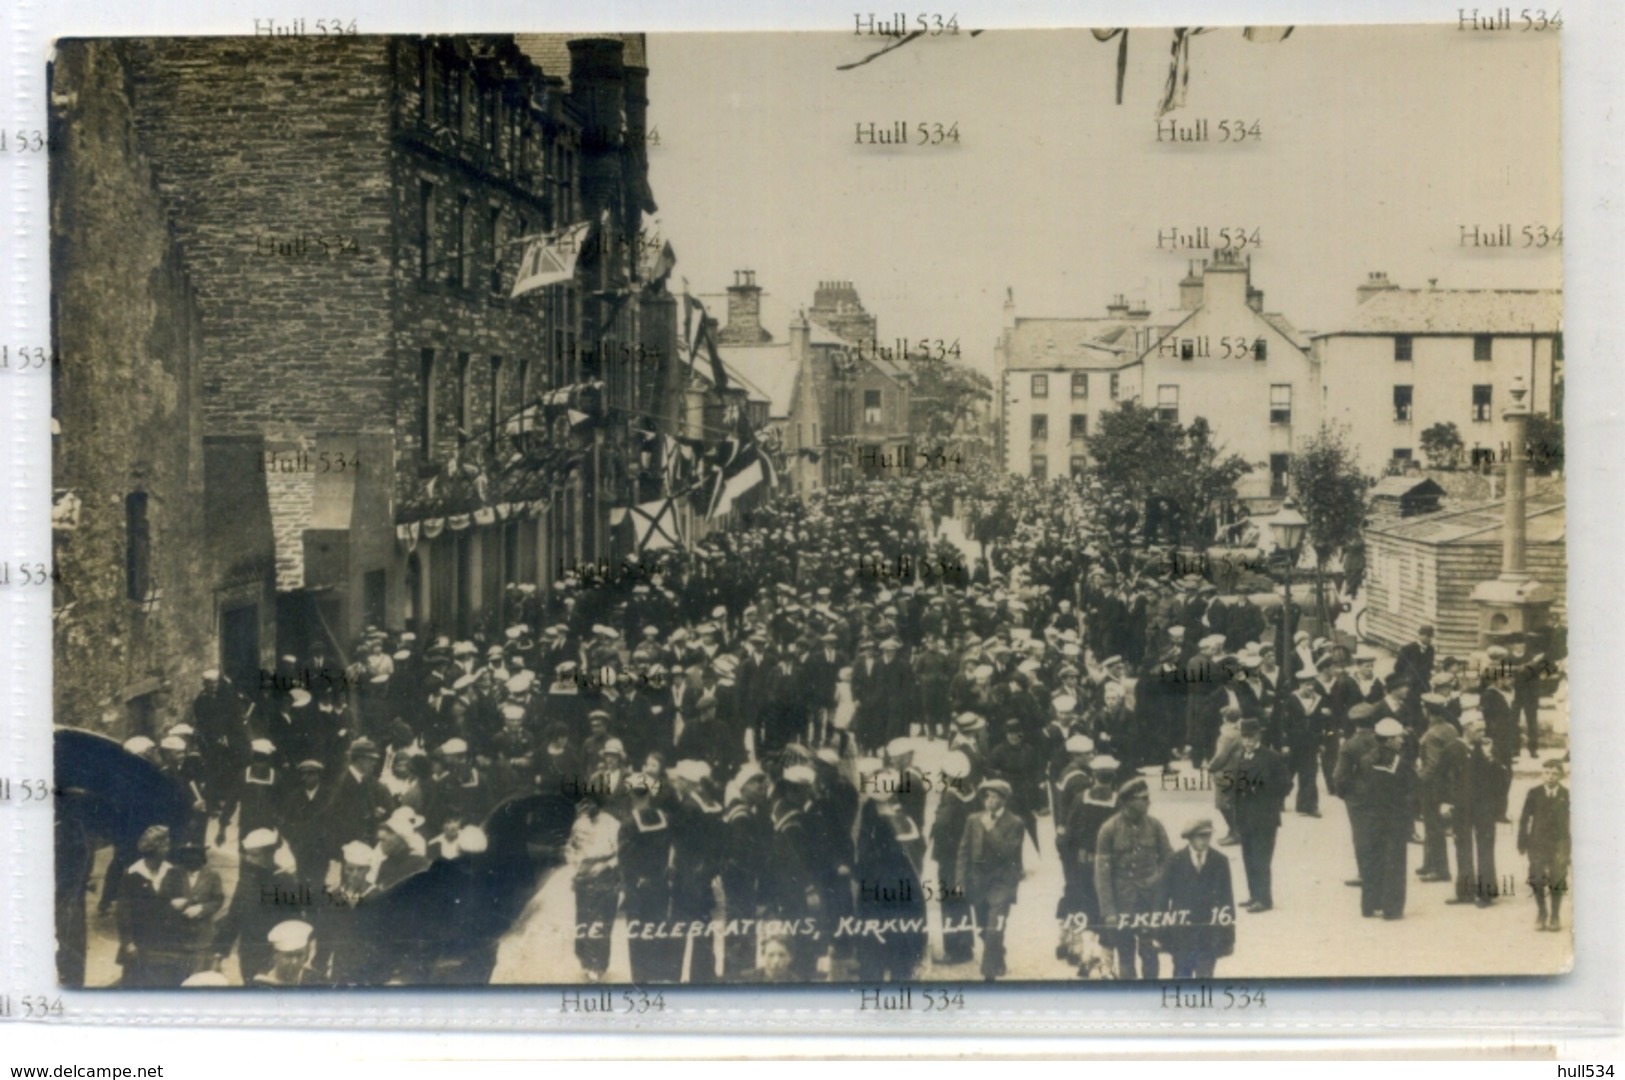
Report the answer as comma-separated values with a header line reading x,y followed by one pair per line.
x,y
1200,897
1543,835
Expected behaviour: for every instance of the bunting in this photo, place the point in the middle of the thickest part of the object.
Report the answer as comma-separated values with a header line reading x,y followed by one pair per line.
x,y
656,525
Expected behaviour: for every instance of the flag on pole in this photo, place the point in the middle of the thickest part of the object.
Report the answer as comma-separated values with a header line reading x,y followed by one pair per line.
x,y
550,261
694,317
655,525
656,265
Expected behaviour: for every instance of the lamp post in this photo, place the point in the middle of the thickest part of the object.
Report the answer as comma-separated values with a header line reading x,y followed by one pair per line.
x,y
1287,529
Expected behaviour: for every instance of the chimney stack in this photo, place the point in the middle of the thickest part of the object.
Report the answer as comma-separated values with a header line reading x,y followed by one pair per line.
x,y
744,312
1190,286
1375,282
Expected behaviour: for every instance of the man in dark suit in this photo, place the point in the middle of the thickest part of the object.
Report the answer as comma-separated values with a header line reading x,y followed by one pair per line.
x,y
989,870
1260,781
1500,721
1526,675
1476,801
1199,897
1414,661
1543,835
359,802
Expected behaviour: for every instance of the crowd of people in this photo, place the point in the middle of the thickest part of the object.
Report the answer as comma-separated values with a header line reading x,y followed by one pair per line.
x,y
791,746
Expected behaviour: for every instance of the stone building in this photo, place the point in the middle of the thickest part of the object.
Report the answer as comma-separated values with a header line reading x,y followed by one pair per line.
x,y
351,211
161,533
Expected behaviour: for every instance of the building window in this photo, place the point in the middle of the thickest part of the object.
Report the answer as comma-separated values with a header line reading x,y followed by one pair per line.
x,y
1557,347
496,399
1114,385
1040,386
465,395
1481,403
1187,349
1040,468
1483,457
1039,427
1080,466
1080,426
1261,349
462,267
497,250
1481,347
1080,385
426,403
1168,404
1281,404
1402,453
468,123
451,101
137,547
1402,347
428,75
1402,404
871,406
425,230
1279,466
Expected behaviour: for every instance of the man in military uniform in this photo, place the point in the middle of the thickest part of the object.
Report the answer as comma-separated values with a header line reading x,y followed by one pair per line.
x,y
1129,856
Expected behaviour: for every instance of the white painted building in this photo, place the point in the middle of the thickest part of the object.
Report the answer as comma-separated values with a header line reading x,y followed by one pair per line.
x,y
1412,358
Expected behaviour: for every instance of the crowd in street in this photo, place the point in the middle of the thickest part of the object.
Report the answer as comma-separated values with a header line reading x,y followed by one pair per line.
x,y
788,745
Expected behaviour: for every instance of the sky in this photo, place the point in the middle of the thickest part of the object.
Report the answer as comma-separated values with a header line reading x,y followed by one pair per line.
x,y
1377,144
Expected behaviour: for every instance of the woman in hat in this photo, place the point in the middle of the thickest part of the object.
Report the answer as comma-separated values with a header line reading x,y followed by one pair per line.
x,y
153,940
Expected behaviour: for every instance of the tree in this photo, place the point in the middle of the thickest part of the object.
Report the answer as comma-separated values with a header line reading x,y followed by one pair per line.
x,y
945,397
1138,457
1545,441
1443,445
1334,495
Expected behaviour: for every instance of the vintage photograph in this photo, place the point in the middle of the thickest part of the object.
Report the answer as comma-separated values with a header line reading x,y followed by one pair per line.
x,y
907,503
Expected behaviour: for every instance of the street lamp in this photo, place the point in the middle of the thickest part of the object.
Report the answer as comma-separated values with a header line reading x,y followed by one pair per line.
x,y
1287,528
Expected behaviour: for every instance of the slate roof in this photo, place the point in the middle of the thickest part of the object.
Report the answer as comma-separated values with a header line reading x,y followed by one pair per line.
x,y
1457,312
1046,344
766,372
1480,524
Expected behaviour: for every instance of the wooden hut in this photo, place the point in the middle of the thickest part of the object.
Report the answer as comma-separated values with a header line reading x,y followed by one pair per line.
x,y
1423,569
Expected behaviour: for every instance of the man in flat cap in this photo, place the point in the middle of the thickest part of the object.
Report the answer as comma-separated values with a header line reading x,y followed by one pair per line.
x,y
306,823
1414,661
989,870
359,800
222,740
1129,856
1200,899
1260,781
